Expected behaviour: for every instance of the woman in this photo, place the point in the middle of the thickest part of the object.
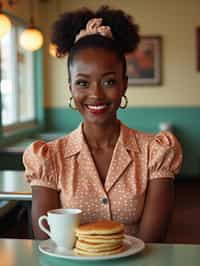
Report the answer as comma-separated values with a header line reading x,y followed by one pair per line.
x,y
103,167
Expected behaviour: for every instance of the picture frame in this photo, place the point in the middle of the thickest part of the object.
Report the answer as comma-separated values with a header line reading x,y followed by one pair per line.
x,y
144,64
198,47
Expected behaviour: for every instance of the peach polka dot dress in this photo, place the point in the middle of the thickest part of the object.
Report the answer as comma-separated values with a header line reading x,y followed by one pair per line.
x,y
67,166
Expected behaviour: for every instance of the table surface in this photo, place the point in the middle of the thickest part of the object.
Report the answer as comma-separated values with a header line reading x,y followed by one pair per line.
x,y
15,252
13,186
20,146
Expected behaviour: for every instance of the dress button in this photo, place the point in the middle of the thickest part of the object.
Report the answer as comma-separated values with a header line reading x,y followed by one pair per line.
x,y
104,200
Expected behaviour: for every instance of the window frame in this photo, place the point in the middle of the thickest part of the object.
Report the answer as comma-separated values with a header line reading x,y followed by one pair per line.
x,y
12,133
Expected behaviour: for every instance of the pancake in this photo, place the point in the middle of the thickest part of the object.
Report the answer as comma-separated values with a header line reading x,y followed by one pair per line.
x,y
96,246
99,240
111,236
100,228
100,253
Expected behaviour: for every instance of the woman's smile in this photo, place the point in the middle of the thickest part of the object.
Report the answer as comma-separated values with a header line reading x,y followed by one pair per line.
x,y
97,109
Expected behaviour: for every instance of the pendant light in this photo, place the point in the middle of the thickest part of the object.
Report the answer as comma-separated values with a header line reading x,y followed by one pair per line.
x,y
53,47
31,39
5,23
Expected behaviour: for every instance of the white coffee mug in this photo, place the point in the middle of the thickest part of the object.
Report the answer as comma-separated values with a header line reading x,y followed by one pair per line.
x,y
62,224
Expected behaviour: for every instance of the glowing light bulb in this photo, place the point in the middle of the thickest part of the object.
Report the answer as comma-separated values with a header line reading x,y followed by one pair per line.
x,y
31,39
5,25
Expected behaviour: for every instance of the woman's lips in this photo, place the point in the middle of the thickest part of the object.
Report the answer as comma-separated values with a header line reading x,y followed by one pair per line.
x,y
97,109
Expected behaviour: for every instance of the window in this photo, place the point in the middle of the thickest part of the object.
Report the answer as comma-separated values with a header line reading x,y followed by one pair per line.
x,y
17,86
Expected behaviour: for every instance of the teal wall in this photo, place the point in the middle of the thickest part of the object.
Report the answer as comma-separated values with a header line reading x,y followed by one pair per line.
x,y
186,123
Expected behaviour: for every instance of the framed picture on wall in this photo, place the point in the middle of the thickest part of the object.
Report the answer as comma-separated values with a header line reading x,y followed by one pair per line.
x,y
198,47
144,64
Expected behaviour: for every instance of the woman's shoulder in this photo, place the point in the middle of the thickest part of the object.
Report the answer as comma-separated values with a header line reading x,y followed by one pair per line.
x,y
42,148
145,139
163,149
163,137
71,139
140,137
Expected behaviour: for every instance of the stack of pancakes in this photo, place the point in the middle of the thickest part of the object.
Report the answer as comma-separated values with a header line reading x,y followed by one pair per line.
x,y
99,239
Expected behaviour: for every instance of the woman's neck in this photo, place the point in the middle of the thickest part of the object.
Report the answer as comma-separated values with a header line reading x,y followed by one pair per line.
x,y
99,137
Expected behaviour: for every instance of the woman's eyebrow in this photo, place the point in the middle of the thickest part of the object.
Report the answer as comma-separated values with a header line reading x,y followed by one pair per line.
x,y
104,74
109,73
82,75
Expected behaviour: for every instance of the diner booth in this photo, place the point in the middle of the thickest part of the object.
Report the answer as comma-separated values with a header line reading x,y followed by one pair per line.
x,y
33,105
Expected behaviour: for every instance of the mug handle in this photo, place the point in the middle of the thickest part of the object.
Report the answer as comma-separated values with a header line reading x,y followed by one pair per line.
x,y
41,219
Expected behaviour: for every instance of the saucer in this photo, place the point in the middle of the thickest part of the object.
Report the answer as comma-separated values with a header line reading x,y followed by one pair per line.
x,y
132,245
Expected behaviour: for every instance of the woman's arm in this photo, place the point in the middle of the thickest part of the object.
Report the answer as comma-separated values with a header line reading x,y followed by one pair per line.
x,y
157,210
43,200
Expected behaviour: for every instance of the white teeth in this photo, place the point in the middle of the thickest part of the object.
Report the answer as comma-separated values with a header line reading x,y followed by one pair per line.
x,y
96,107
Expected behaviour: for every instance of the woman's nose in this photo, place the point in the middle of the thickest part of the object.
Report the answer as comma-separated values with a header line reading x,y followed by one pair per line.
x,y
97,91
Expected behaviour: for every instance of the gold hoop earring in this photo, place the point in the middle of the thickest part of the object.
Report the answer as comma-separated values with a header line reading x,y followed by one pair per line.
x,y
125,102
70,104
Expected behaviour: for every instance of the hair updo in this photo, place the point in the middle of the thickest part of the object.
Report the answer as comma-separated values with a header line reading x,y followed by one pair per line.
x,y
124,31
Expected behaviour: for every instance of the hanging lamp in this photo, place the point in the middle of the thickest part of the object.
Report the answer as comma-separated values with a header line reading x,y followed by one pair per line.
x,y
52,48
5,23
31,38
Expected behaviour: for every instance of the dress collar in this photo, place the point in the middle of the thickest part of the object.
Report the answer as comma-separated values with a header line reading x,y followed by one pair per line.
x,y
75,140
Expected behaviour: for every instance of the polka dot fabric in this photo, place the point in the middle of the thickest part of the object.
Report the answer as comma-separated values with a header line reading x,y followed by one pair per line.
x,y
66,165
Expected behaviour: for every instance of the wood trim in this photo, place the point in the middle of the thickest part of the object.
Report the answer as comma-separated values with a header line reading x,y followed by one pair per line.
x,y
198,47
19,126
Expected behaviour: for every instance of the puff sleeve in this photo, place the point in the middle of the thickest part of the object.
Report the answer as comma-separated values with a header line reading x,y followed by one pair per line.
x,y
39,165
165,156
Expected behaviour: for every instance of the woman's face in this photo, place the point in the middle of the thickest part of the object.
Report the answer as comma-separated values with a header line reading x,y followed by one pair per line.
x,y
97,84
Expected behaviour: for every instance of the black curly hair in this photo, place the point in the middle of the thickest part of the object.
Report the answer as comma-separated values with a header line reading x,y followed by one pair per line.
x,y
124,31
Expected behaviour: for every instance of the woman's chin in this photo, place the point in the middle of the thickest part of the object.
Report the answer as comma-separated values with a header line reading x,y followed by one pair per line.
x,y
100,121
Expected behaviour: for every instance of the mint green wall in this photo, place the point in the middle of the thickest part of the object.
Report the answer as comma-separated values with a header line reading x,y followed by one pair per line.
x,y
186,122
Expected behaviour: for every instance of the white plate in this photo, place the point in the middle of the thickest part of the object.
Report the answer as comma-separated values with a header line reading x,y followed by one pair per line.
x,y
132,246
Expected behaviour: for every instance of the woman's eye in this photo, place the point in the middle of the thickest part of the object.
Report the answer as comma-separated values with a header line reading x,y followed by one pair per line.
x,y
82,83
109,82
